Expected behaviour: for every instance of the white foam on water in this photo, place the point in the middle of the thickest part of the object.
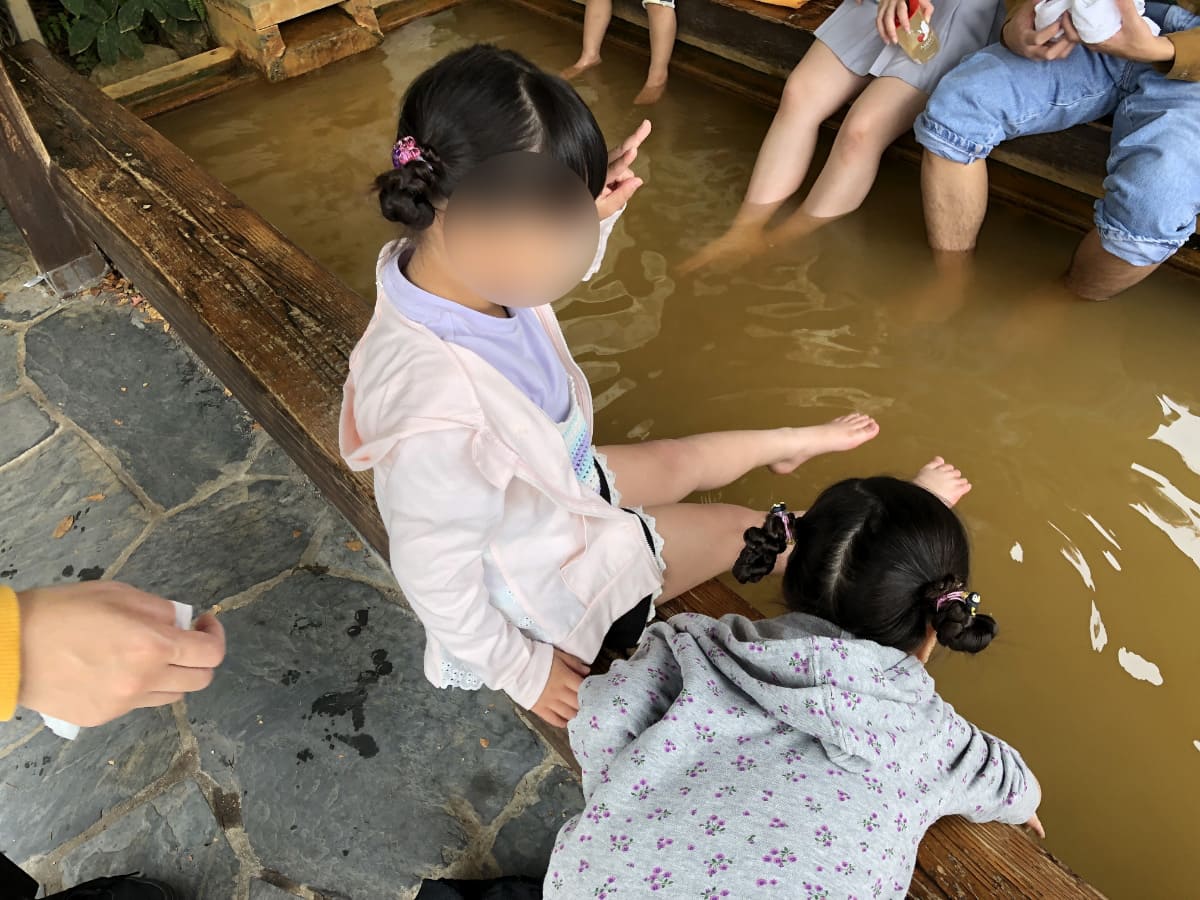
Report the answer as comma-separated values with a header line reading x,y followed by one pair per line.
x,y
1099,632
1112,560
1140,668
1185,534
1017,552
1182,434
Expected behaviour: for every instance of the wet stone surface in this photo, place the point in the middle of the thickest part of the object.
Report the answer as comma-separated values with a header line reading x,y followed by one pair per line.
x,y
75,515
169,423
524,844
22,426
8,359
322,716
61,788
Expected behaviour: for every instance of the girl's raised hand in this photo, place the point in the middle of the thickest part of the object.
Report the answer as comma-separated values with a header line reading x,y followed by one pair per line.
x,y
559,701
621,184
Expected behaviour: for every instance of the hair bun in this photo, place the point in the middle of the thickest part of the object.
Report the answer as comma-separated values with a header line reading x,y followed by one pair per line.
x,y
764,545
954,623
406,194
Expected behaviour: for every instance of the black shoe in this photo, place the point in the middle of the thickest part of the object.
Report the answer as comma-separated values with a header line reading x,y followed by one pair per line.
x,y
119,887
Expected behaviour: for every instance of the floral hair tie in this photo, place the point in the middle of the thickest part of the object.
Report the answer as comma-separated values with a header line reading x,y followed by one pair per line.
x,y
406,151
780,511
969,598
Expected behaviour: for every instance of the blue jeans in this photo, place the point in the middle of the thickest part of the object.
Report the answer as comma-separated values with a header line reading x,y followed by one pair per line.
x,y
1152,192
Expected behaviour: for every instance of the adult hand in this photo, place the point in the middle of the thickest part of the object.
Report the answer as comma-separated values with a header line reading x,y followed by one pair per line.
x,y
620,184
1135,41
1023,38
559,701
892,18
93,651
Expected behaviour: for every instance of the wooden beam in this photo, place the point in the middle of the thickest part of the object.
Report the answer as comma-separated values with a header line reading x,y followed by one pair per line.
x,y
25,21
67,259
185,71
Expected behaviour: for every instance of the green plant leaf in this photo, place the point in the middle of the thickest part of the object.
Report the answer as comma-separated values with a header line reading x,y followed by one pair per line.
x,y
106,43
87,9
130,45
179,9
156,9
130,15
81,36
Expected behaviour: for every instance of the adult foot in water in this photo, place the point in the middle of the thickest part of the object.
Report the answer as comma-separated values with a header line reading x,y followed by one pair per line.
x,y
582,65
843,433
939,477
650,93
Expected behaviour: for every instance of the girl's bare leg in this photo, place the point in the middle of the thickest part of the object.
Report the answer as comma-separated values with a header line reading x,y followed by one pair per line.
x,y
816,89
596,17
662,43
659,473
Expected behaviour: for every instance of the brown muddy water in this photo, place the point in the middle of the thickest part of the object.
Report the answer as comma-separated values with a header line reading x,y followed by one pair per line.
x,y
1078,423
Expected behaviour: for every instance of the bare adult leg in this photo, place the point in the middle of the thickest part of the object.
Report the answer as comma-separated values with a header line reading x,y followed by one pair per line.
x,y
816,89
596,17
662,43
1096,274
885,110
955,198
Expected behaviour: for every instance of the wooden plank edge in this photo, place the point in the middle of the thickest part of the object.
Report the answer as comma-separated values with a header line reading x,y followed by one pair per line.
x,y
169,76
194,92
393,14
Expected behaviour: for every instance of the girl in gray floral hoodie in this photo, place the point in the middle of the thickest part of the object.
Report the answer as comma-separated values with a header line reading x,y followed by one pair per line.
x,y
802,756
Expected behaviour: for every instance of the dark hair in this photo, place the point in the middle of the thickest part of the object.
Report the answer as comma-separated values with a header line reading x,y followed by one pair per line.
x,y
478,103
872,556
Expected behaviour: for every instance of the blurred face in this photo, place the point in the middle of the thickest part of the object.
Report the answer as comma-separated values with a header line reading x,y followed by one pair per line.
x,y
521,230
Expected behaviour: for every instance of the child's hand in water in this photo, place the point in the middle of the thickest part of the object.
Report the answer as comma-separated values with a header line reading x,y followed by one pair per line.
x,y
620,184
560,697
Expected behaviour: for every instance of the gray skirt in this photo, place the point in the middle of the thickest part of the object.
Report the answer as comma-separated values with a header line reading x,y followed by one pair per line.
x,y
962,26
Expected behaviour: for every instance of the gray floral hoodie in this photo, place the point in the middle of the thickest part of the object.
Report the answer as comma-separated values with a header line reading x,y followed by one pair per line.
x,y
781,758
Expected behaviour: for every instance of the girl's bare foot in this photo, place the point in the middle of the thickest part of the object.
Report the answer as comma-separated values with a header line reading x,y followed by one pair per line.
x,y
843,433
939,477
584,63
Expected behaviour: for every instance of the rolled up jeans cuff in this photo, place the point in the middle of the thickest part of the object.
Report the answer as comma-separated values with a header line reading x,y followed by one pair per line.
x,y
1137,250
941,141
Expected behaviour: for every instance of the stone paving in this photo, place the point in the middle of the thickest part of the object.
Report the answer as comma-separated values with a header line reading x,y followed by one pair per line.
x,y
320,763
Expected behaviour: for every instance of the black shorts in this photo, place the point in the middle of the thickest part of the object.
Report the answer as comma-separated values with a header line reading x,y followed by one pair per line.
x,y
625,633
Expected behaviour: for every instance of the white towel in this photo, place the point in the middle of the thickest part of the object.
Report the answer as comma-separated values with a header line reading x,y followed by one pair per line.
x,y
183,620
1095,20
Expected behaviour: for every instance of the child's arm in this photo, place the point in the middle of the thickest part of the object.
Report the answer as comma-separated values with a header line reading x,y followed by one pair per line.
x,y
440,512
616,708
990,780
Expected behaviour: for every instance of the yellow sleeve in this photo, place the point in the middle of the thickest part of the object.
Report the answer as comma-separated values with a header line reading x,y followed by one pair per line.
x,y
1187,55
10,652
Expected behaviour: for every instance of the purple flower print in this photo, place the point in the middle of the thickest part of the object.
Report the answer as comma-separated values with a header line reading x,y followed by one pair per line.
x,y
791,755
767,795
669,746
877,887
779,857
852,700
727,790
873,784
815,892
714,825
641,790
871,822
719,863
584,865
658,815
845,867
842,796
743,739
824,837
767,882
738,712
685,696
795,777
594,723
744,763
800,664
839,647
901,793
617,679
704,732
901,822
697,770
658,878
665,842
811,804
711,893
777,822
597,812
756,648
638,757
620,705
620,842
607,889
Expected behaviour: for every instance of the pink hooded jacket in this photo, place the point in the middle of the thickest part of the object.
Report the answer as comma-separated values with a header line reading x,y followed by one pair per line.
x,y
476,488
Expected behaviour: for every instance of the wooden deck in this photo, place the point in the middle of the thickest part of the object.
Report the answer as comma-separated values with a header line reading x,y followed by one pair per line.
x,y
748,48
277,329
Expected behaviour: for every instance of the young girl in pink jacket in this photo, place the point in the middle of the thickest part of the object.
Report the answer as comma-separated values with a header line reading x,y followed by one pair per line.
x,y
521,546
